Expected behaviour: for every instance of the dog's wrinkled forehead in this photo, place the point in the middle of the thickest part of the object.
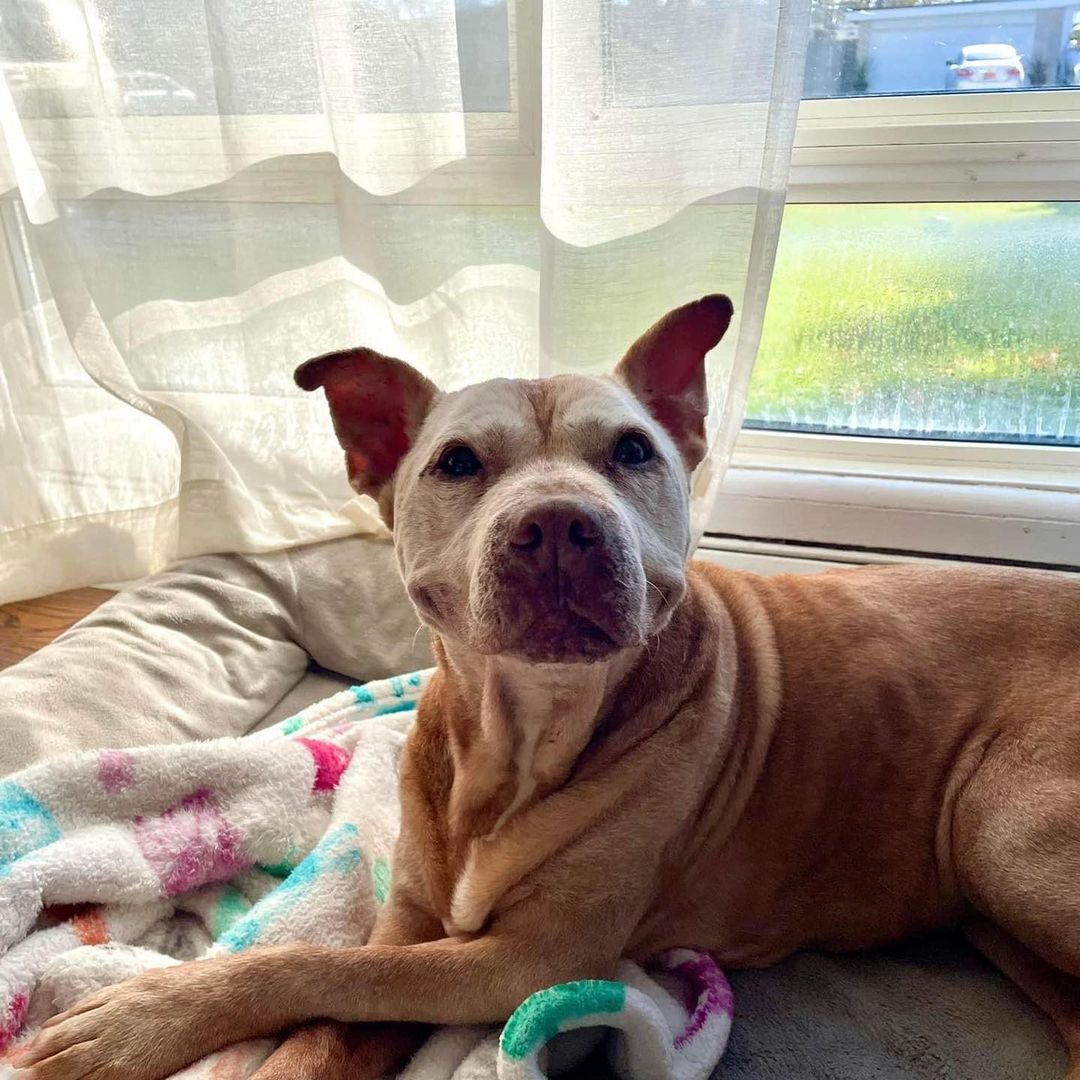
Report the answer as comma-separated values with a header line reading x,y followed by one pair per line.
x,y
565,414
388,416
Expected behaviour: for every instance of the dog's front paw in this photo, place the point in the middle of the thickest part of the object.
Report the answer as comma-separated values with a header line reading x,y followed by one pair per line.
x,y
146,1028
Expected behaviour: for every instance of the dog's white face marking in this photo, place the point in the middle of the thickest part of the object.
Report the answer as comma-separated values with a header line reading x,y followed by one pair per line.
x,y
528,458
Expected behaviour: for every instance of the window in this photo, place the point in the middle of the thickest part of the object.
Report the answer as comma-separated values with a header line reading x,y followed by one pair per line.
x,y
657,52
904,46
918,384
920,362
927,320
160,57
179,71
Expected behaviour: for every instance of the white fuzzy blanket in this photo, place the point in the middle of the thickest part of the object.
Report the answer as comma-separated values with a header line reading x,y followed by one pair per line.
x,y
174,852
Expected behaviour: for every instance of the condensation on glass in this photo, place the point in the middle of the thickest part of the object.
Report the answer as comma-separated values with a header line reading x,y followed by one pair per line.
x,y
956,321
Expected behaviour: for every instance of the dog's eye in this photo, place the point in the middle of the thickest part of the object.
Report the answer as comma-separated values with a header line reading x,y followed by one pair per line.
x,y
458,461
633,450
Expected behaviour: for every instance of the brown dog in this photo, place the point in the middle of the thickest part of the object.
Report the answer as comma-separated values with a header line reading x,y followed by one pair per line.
x,y
622,752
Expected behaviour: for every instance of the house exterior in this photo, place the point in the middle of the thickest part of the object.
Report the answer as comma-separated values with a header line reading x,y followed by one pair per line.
x,y
905,49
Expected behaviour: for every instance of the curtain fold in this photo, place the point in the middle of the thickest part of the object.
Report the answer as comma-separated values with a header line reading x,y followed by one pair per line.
x,y
199,196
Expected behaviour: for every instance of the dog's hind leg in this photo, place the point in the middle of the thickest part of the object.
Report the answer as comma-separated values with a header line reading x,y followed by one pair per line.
x,y
329,1050
1057,994
1016,854
333,1050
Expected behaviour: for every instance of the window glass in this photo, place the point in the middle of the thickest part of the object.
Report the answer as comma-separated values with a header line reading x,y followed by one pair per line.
x,y
907,46
184,57
939,321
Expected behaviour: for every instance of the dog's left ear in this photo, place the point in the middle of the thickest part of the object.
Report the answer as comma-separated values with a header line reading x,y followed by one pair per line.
x,y
377,404
665,369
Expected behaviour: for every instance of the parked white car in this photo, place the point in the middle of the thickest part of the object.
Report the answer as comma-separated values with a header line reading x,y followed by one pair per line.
x,y
154,93
985,67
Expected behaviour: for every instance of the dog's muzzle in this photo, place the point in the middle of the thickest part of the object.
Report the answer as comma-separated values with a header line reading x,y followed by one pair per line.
x,y
559,583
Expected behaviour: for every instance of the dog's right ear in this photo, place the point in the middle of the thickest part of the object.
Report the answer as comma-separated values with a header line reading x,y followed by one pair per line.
x,y
377,404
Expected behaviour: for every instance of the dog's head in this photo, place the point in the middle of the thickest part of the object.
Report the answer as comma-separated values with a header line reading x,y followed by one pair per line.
x,y
548,519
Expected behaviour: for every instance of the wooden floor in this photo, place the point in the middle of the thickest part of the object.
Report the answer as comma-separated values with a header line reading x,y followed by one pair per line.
x,y
29,624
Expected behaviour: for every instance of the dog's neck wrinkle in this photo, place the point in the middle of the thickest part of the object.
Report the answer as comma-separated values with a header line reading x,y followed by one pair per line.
x,y
496,832
551,718
523,735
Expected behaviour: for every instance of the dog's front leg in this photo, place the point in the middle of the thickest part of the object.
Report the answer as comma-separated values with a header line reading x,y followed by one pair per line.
x,y
158,1022
155,1024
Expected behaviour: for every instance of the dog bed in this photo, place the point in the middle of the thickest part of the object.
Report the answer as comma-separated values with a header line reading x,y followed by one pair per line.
x,y
222,645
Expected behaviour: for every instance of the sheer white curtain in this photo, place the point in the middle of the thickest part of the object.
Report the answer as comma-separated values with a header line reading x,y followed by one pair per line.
x,y
200,194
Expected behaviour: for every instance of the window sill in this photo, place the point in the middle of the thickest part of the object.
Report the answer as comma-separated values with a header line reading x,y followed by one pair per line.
x,y
938,147
1002,503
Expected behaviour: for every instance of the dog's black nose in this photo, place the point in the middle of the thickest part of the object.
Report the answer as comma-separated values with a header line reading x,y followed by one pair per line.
x,y
565,529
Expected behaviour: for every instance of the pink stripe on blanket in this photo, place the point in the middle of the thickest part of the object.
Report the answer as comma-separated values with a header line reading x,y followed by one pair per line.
x,y
191,844
330,762
12,1020
115,770
710,989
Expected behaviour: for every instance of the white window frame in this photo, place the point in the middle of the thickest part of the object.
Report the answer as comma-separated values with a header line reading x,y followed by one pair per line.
x,y
1008,145
875,498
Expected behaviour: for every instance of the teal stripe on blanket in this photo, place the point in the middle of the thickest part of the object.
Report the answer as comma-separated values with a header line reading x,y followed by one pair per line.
x,y
380,880
539,1018
336,853
404,690
232,905
283,868
25,825
395,707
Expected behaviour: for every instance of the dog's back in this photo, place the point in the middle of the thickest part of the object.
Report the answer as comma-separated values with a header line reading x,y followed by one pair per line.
x,y
874,695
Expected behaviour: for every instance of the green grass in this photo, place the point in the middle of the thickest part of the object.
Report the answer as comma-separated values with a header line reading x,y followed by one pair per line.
x,y
959,319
